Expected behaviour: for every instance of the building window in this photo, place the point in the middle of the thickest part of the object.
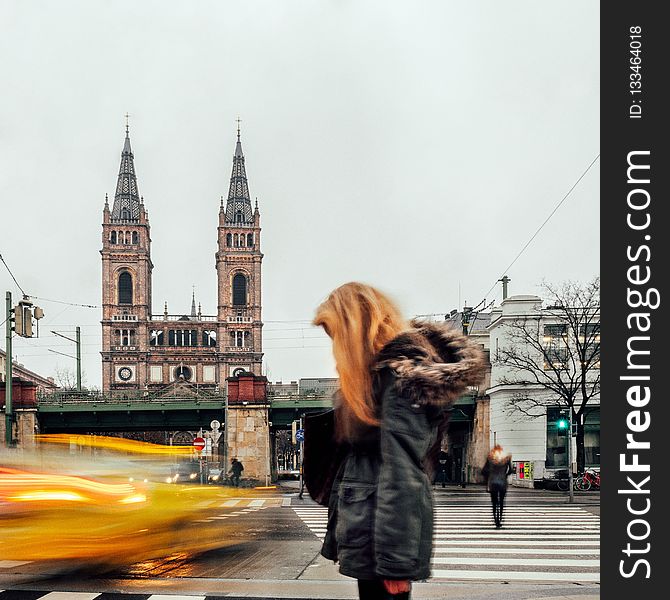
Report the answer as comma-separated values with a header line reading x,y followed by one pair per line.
x,y
239,218
555,346
124,337
557,438
242,240
240,339
209,338
112,238
589,338
125,288
125,214
156,338
239,290
182,337
229,240
136,237
592,437
237,240
250,239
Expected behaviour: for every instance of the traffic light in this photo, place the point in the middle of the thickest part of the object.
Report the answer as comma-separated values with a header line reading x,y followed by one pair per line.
x,y
23,319
562,424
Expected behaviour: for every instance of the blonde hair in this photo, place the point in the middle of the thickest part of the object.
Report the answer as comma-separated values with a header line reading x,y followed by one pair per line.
x,y
360,320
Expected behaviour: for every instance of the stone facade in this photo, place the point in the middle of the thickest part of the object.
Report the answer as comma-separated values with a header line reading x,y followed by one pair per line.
x,y
143,350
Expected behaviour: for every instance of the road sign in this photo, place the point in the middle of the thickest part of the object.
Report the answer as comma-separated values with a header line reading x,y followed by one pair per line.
x,y
199,443
215,424
300,435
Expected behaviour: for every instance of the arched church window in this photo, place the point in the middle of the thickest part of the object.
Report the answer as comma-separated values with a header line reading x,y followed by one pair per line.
x,y
250,239
125,288
229,240
136,237
242,239
239,290
112,237
239,217
127,237
125,214
237,240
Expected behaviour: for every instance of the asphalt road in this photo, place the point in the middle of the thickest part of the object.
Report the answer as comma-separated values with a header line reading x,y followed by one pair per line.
x,y
546,549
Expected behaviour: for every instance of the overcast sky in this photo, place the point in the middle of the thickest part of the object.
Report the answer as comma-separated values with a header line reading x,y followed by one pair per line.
x,y
415,146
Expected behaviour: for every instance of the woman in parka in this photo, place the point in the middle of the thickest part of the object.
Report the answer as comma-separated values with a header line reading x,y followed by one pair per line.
x,y
397,382
497,469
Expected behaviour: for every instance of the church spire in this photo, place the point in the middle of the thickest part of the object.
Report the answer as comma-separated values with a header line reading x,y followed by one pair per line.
x,y
238,206
126,199
193,313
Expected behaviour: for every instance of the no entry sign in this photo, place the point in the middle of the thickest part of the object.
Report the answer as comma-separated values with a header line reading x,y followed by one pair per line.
x,y
199,443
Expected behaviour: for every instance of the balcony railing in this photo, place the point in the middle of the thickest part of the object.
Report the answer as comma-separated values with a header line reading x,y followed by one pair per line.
x,y
159,318
236,319
238,349
124,317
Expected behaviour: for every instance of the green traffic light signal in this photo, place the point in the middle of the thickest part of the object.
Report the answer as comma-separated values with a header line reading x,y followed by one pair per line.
x,y
562,423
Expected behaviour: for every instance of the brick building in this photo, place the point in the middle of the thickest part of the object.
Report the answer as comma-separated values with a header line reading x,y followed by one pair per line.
x,y
143,350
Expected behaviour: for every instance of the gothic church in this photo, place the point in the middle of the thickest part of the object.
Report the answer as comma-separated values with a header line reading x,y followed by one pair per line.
x,y
143,351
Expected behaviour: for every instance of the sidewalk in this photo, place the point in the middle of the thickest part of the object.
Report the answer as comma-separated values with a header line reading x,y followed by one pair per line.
x,y
319,589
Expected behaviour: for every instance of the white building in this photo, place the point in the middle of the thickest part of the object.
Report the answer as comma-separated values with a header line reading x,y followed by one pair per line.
x,y
536,438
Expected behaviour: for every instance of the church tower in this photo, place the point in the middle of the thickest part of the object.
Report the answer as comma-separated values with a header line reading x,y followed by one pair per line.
x,y
126,280
238,266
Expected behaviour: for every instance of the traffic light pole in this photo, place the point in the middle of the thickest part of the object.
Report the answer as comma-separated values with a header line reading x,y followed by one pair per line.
x,y
9,416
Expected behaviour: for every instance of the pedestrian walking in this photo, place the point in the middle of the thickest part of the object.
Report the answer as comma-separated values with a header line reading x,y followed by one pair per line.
x,y
442,458
397,380
236,468
497,469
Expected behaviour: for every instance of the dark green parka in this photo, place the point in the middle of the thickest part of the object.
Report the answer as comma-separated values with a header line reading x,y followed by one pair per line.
x,y
380,514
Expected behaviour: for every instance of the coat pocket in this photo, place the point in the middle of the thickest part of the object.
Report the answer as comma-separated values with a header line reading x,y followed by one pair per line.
x,y
356,505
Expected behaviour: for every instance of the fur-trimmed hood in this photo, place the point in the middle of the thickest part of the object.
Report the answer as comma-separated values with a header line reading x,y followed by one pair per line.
x,y
434,362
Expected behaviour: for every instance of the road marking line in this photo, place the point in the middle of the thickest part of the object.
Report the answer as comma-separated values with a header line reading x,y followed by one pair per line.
x,y
257,503
171,597
70,596
514,575
230,503
486,537
10,564
286,502
540,542
517,550
527,562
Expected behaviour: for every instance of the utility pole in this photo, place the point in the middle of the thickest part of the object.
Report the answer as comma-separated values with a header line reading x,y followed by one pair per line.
x,y
77,341
9,416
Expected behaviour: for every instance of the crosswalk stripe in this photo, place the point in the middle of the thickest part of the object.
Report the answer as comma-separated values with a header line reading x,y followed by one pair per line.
x,y
257,503
534,544
517,550
170,597
230,503
70,596
286,502
514,575
514,561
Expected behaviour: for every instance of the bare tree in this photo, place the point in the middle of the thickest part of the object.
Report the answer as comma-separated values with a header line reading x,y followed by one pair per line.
x,y
67,378
557,350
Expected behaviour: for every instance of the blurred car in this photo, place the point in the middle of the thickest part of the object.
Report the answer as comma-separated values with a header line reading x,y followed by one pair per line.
x,y
107,509
288,474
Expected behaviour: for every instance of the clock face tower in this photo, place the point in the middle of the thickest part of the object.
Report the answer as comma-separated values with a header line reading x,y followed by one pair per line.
x,y
238,265
146,352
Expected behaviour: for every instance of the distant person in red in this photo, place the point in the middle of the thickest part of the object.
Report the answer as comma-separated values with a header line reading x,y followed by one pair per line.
x,y
497,469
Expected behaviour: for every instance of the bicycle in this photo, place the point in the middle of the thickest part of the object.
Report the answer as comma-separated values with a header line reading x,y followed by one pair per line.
x,y
585,481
